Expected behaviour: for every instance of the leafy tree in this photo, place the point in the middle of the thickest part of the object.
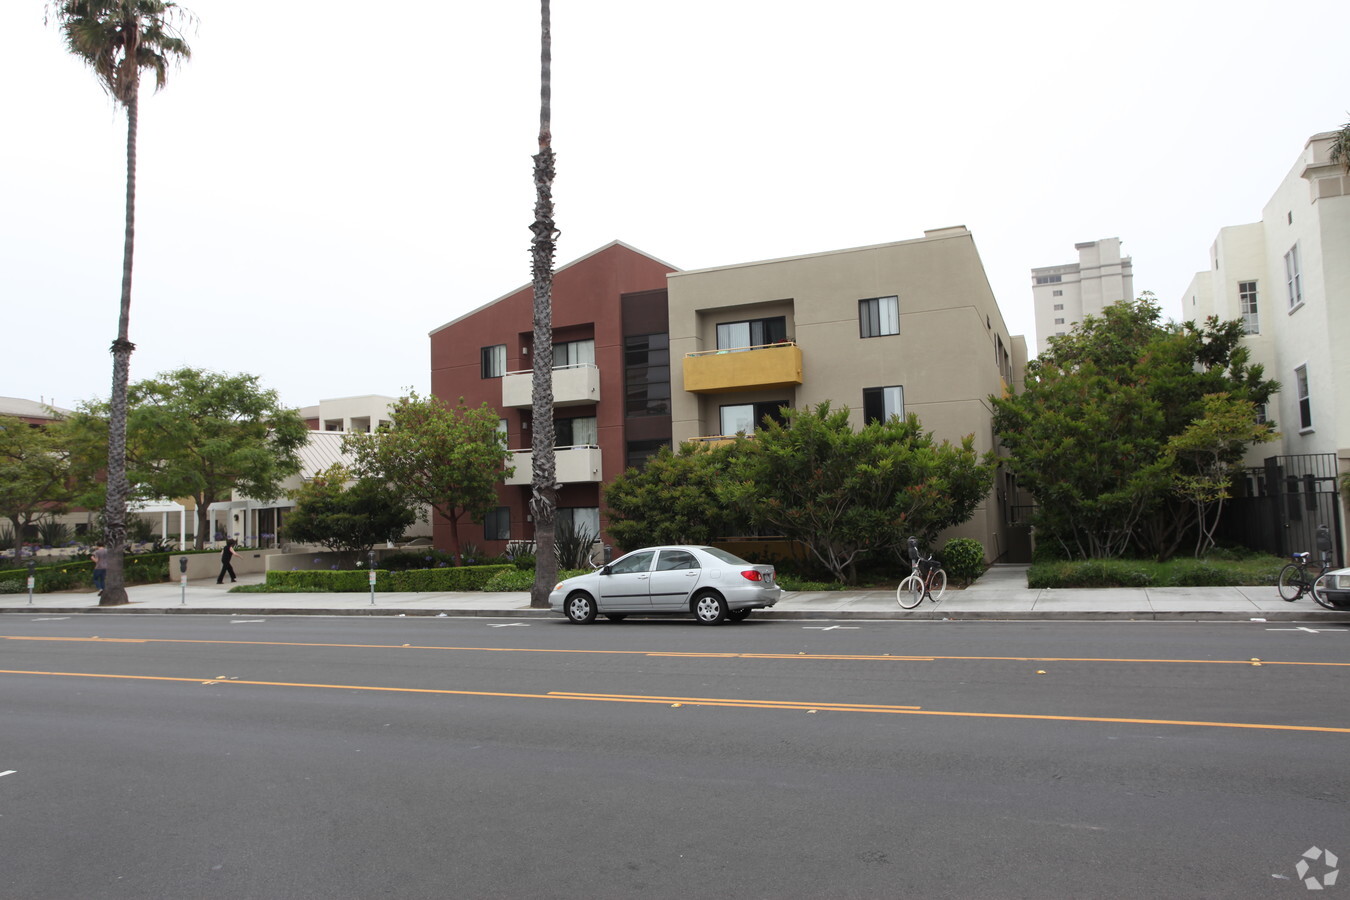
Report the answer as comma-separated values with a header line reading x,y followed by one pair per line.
x,y
1205,457
200,434
449,459
345,516
846,493
1088,435
544,498
34,473
117,39
672,500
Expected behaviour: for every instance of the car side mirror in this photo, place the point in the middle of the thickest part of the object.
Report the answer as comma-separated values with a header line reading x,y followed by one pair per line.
x,y
604,570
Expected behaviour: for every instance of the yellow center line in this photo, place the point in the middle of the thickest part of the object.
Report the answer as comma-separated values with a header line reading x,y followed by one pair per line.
x,y
678,702
814,657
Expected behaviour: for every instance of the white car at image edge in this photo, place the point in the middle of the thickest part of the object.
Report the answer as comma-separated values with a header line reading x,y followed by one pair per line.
x,y
711,584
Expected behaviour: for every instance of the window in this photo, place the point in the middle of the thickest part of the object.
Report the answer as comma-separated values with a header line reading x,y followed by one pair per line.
x,y
1059,307
578,432
1304,400
497,524
1247,304
578,518
1293,277
1260,414
1057,293
647,375
633,564
880,403
1049,279
879,316
574,353
641,451
494,361
1059,321
751,333
676,560
744,417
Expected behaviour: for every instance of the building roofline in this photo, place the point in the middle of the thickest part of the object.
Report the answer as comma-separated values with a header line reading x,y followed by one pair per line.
x,y
568,265
934,234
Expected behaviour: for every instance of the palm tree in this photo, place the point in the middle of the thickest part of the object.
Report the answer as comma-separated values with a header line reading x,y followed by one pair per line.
x,y
117,39
544,501
1340,147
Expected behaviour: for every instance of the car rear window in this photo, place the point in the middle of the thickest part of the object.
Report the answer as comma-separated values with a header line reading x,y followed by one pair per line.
x,y
724,556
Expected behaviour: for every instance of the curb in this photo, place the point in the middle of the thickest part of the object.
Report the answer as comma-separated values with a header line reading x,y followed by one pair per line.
x,y
1318,616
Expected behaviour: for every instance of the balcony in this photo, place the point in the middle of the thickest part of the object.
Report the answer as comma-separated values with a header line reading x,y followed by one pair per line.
x,y
572,386
743,368
574,465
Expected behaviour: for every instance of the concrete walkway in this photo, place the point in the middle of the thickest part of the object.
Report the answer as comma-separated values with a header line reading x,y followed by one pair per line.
x,y
1002,593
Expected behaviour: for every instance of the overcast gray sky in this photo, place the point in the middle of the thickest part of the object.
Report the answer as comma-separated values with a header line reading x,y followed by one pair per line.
x,y
325,183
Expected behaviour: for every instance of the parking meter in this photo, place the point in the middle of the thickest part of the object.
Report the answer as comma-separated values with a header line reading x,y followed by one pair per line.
x,y
370,559
32,579
182,571
913,549
1324,542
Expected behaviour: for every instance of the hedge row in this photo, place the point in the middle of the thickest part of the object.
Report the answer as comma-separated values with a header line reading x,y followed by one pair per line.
x,y
137,568
463,578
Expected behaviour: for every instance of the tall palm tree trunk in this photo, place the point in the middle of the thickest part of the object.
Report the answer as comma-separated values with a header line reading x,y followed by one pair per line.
x,y
115,510
544,501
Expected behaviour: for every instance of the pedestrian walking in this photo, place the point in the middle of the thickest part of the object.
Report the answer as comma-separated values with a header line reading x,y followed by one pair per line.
x,y
100,560
226,556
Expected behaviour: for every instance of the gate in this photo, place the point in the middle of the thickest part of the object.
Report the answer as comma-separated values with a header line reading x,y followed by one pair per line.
x,y
1277,507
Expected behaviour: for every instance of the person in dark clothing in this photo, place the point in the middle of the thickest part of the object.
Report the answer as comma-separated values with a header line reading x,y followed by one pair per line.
x,y
226,556
100,561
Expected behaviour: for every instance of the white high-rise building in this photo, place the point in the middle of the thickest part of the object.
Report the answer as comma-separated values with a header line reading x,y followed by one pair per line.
x,y
1062,295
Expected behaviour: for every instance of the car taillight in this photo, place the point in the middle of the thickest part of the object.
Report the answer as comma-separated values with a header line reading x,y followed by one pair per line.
x,y
751,575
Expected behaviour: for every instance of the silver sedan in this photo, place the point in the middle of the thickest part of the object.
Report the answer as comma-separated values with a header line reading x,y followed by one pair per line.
x,y
712,584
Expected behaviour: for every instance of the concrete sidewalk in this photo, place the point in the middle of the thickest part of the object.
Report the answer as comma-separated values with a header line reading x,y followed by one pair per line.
x,y
1002,593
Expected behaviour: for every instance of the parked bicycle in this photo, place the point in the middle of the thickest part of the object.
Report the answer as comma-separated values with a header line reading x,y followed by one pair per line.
x,y
925,579
1296,580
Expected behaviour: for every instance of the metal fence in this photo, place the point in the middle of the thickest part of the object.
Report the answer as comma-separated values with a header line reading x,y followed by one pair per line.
x,y
1277,507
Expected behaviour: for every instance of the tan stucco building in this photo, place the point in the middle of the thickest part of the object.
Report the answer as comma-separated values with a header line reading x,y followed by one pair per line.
x,y
905,327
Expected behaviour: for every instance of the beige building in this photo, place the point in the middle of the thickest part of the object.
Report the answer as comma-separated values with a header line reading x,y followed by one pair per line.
x,y
1064,294
1287,277
896,328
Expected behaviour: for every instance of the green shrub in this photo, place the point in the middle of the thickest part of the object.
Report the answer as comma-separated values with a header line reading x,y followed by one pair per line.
x,y
1099,573
429,558
963,558
464,578
794,583
512,579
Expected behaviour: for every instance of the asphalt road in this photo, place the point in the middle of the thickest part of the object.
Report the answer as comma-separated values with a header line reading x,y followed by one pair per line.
x,y
311,757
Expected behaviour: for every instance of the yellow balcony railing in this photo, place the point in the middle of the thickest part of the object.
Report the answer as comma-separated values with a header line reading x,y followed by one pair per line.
x,y
743,368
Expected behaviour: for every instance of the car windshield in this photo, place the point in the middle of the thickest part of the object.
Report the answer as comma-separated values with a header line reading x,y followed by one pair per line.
x,y
724,556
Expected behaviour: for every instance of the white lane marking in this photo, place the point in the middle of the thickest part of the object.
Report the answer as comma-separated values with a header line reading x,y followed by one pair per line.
x,y
10,772
1305,628
510,625
49,619
246,621
829,627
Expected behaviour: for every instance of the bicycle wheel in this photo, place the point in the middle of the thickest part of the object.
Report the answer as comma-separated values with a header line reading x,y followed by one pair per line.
x,y
937,584
1320,595
910,592
1292,584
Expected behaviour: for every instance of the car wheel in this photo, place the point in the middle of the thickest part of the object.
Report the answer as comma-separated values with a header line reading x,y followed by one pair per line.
x,y
616,617
738,615
710,608
580,608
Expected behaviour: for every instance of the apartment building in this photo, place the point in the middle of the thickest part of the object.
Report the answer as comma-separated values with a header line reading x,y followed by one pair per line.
x,y
1287,277
647,355
891,329
611,382
1062,295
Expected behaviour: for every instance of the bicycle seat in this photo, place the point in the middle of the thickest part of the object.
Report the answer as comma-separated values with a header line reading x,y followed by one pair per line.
x,y
1301,556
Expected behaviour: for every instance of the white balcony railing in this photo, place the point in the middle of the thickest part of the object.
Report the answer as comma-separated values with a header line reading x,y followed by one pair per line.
x,y
572,386
574,465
